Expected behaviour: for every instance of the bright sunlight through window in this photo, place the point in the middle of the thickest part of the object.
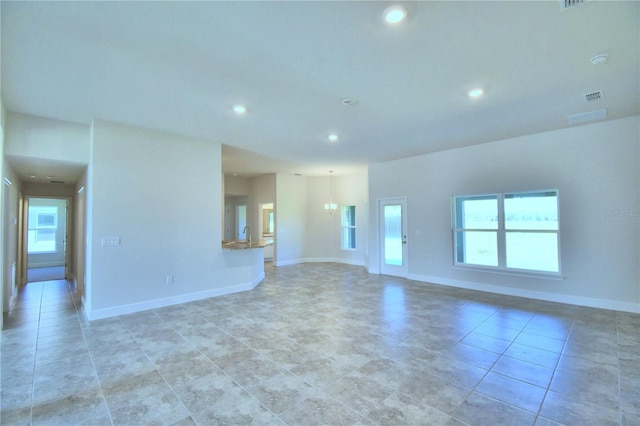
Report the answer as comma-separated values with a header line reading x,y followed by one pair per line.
x,y
511,231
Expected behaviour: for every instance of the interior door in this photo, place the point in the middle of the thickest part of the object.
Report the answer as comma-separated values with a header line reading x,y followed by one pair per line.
x,y
392,214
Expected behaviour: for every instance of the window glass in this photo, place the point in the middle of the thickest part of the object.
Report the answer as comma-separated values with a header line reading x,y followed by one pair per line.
x,y
532,211
508,231
532,250
349,227
479,212
42,228
476,222
477,248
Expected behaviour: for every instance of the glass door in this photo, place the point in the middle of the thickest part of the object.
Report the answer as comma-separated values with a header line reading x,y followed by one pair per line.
x,y
393,236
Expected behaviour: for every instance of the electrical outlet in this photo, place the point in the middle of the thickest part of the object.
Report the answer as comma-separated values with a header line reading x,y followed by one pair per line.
x,y
169,279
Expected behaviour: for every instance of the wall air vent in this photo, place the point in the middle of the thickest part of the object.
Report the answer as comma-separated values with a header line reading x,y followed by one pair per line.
x,y
593,96
571,4
583,117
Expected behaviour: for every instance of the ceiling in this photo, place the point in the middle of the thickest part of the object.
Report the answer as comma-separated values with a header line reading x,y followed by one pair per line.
x,y
182,66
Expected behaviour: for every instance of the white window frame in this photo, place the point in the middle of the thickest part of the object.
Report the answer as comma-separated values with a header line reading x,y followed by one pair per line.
x,y
501,234
345,227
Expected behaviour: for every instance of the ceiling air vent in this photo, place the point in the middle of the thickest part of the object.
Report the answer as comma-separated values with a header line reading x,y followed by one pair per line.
x,y
570,4
593,96
583,117
57,181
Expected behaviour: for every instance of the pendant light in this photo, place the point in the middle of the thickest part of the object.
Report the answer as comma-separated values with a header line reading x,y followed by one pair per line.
x,y
330,206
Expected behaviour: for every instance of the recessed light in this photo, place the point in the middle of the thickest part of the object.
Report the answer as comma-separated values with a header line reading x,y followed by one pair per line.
x,y
348,101
395,14
476,92
333,137
239,109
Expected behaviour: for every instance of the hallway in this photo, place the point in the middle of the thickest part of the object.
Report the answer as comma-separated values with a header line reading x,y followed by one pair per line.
x,y
41,335
51,273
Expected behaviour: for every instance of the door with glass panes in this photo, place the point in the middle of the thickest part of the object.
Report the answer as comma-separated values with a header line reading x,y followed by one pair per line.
x,y
392,214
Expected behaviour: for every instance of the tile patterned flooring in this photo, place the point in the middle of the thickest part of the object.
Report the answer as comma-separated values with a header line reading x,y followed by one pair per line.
x,y
321,344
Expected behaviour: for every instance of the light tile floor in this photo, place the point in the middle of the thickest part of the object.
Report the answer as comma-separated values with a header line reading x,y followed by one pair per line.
x,y
321,344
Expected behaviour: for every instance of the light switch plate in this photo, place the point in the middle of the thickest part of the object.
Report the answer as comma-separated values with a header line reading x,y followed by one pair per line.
x,y
110,241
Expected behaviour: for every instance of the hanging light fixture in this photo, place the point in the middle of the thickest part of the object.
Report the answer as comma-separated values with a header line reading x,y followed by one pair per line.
x,y
330,206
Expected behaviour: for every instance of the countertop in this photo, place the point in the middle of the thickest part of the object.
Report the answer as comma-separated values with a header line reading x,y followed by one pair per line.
x,y
244,245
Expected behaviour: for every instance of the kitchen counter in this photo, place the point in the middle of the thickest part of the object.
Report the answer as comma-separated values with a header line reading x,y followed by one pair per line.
x,y
244,245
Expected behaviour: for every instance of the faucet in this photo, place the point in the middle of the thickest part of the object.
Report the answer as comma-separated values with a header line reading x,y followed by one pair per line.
x,y
244,231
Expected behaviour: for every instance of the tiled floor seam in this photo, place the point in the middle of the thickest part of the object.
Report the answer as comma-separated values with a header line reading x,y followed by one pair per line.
x,y
93,365
33,378
220,368
490,369
555,370
619,367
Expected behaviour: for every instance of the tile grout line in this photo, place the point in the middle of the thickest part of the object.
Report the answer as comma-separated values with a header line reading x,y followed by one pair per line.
x,y
536,414
93,365
555,370
35,355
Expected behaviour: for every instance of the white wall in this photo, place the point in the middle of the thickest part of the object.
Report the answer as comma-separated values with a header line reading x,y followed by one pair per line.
x,y
595,168
305,232
291,212
237,186
324,230
2,215
78,260
262,190
10,210
37,137
160,194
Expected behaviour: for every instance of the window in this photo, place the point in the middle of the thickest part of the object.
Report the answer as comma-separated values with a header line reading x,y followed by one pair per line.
x,y
271,222
476,233
511,231
348,227
43,225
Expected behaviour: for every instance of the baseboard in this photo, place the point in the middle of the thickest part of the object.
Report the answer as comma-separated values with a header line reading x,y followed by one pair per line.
x,y
321,260
168,301
531,294
36,265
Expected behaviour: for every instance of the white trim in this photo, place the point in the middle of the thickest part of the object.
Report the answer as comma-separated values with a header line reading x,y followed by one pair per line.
x,y
321,260
169,301
532,294
513,272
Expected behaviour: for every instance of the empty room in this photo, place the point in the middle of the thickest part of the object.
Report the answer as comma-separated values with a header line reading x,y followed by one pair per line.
x,y
320,213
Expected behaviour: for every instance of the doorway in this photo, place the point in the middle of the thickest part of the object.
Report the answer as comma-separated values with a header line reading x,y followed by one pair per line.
x,y
241,222
46,238
393,236
267,226
267,220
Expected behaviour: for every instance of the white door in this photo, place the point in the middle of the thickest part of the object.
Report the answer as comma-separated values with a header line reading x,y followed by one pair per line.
x,y
392,214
